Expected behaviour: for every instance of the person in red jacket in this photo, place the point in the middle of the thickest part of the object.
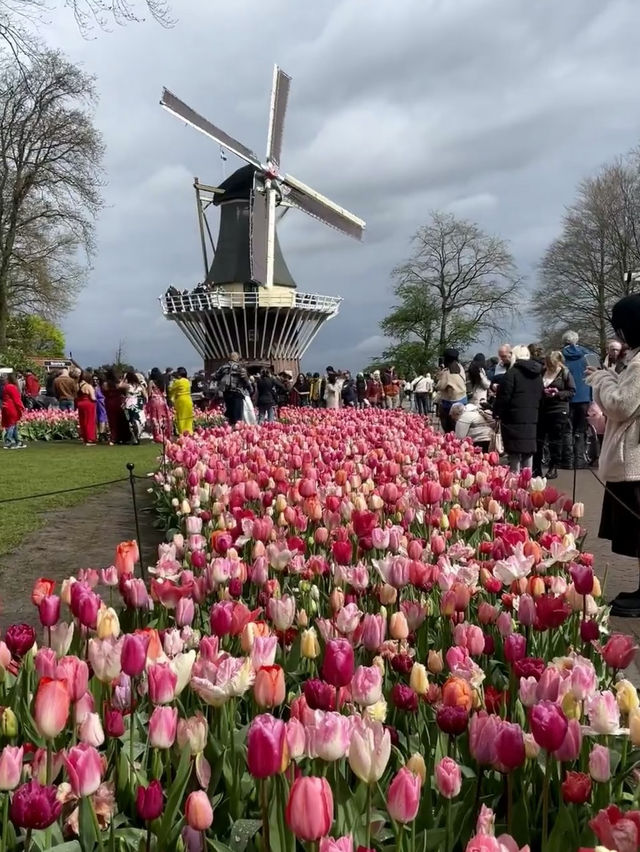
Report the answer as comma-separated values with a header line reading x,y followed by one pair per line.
x,y
31,385
12,408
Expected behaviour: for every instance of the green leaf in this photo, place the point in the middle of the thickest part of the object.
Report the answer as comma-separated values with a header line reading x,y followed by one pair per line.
x,y
70,846
241,833
176,792
87,828
435,839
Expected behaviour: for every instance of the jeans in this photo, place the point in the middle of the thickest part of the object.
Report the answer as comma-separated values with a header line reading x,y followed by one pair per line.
x,y
553,426
518,461
234,403
11,435
422,403
266,414
66,404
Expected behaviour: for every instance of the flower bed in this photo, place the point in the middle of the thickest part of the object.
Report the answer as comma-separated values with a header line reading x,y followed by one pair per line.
x,y
360,635
49,424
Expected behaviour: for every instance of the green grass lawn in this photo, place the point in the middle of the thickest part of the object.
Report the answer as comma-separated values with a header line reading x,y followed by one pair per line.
x,y
44,467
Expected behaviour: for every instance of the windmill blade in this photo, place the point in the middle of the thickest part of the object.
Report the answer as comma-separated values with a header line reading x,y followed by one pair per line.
x,y
262,233
279,99
304,198
178,108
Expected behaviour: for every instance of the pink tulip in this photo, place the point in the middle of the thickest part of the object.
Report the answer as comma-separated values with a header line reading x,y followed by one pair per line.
x,y
76,674
133,657
198,811
548,725
10,767
90,730
162,683
84,768
373,631
366,685
600,764
337,844
49,610
82,708
570,748
328,739
483,730
509,745
448,778
619,651
282,611
185,612
163,725
51,707
604,713
46,662
338,665
266,744
403,796
309,811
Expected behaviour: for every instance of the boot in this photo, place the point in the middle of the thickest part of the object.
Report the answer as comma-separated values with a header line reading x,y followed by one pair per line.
x,y
580,461
552,473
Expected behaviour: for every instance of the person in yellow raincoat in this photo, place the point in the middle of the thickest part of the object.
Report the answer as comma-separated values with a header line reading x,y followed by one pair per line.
x,y
180,393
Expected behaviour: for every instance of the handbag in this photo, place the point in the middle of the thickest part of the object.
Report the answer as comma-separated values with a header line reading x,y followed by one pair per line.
x,y
496,444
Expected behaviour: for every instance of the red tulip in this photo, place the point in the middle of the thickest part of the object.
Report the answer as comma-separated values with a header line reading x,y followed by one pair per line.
x,y
341,552
309,811
576,788
34,806
149,802
113,722
452,720
509,745
319,694
619,651
19,639
404,698
51,707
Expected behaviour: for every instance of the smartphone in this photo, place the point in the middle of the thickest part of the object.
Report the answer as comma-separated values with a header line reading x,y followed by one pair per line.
x,y
593,360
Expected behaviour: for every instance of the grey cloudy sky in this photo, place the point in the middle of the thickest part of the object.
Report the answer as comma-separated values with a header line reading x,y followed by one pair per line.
x,y
493,109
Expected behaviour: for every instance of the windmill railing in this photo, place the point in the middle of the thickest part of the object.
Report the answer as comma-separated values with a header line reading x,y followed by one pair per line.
x,y
220,300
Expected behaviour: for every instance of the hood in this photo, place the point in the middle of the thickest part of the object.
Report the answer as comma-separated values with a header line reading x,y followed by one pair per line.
x,y
530,368
573,352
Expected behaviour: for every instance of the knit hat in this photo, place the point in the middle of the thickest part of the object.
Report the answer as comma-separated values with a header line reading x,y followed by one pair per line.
x,y
625,319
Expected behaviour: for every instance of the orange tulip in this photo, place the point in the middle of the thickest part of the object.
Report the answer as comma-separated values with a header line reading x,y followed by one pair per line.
x,y
42,588
51,707
456,692
269,687
127,554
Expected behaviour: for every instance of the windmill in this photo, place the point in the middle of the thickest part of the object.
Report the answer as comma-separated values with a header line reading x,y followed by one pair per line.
x,y
249,302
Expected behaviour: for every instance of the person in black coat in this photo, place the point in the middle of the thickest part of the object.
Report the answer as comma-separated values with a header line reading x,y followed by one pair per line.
x,y
517,406
553,422
268,390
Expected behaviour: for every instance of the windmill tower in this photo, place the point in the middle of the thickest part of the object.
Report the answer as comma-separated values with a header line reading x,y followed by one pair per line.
x,y
248,301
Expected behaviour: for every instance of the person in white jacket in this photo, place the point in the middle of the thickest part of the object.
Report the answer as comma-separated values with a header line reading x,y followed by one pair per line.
x,y
422,387
618,395
472,422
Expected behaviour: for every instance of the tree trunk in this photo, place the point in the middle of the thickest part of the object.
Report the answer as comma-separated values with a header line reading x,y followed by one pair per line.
x,y
4,307
442,342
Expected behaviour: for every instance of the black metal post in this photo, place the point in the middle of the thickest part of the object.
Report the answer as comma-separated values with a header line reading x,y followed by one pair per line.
x,y
132,483
575,467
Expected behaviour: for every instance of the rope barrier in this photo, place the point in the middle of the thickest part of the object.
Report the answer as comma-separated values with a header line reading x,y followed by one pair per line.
x,y
65,490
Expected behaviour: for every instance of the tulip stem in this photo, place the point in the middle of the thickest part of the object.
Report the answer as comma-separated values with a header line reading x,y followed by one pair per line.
x,y
448,839
96,824
131,726
545,801
264,806
148,847
368,826
509,802
49,763
5,821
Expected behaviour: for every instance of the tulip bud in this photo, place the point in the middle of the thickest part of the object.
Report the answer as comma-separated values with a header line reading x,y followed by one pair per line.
x,y
388,595
398,627
8,723
435,663
309,645
417,765
149,801
634,727
418,680
107,624
197,811
626,696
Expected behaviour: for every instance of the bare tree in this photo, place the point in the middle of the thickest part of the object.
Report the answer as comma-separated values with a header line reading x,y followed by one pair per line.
x,y
582,271
50,155
458,284
18,17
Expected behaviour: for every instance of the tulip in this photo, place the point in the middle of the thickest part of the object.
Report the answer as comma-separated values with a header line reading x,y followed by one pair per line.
x,y
366,685
403,796
373,631
104,656
84,768
162,683
338,664
269,687
34,806
369,751
398,627
419,680
193,732
75,673
456,691
10,767
600,764
604,713
45,662
619,651
266,746
107,623
149,802
509,745
51,707
548,725
133,657
448,778
452,720
626,696
42,588
49,610
8,723
483,730
339,844
90,730
634,727
417,766
309,645
163,725
319,694
435,663
582,576
19,639
404,698
515,647
576,788
309,811
282,611
198,811
113,722
328,739
572,743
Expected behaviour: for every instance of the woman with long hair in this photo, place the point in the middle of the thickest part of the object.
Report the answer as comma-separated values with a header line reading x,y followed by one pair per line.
x,y
517,407
451,387
119,432
477,382
86,407
12,410
553,419
158,412
180,393
618,395
101,410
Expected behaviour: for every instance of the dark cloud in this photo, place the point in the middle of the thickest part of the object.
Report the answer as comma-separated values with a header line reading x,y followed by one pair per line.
x,y
494,109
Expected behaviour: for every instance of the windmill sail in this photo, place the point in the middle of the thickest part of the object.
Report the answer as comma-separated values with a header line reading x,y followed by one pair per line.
x,y
279,99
